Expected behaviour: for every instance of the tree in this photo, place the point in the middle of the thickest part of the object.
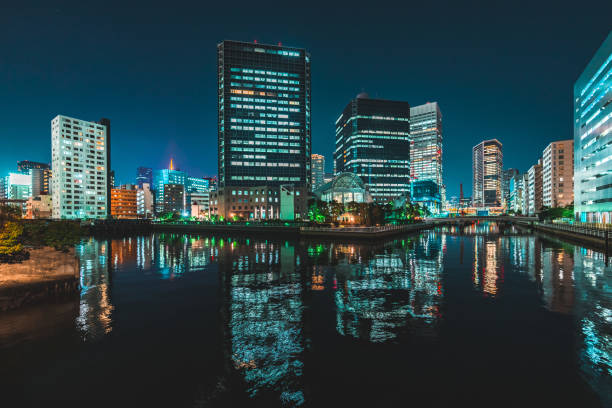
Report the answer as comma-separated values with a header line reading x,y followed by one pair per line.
x,y
9,213
335,210
318,211
62,235
11,249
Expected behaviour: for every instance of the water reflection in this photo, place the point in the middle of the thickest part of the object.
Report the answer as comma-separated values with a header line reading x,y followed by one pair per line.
x,y
376,295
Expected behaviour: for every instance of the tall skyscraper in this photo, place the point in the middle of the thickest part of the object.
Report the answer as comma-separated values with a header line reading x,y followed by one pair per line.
x,y
264,115
373,142
592,138
144,175
534,177
80,169
426,143
507,176
41,175
318,170
558,174
487,164
161,179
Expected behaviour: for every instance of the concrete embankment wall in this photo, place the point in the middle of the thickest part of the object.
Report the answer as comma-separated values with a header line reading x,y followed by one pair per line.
x,y
570,236
47,275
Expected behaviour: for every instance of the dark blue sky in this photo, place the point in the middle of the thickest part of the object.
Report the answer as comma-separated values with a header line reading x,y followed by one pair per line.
x,y
498,71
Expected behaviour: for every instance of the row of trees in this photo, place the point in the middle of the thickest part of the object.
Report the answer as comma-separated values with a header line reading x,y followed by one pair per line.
x,y
366,213
16,234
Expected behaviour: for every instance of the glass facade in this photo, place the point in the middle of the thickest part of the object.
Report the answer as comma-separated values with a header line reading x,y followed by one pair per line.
x,y
318,171
345,188
373,142
161,179
264,115
426,193
144,175
487,167
593,138
426,146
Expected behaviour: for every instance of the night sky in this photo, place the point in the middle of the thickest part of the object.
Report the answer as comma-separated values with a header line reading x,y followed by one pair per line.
x,y
497,71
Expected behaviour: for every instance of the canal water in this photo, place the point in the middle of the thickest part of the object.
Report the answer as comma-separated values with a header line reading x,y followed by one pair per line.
x,y
471,317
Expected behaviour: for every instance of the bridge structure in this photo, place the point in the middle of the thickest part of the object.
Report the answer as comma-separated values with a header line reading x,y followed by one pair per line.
x,y
467,220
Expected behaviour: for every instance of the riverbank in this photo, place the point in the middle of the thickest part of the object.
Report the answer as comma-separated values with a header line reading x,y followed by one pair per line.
x,y
597,238
48,274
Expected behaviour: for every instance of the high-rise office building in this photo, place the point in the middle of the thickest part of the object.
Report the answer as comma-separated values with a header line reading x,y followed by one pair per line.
x,y
213,183
144,175
24,166
80,170
197,185
161,179
426,143
534,176
373,142
507,176
18,186
526,193
487,164
318,170
264,115
517,189
558,174
174,198
41,175
592,138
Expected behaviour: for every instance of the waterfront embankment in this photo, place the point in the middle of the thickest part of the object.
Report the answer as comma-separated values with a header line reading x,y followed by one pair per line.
x,y
47,274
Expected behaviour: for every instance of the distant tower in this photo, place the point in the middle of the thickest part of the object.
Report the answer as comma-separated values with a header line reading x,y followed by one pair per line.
x,y
487,164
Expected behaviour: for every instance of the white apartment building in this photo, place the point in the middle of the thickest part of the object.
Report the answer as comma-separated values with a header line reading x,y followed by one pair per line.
x,y
79,162
144,201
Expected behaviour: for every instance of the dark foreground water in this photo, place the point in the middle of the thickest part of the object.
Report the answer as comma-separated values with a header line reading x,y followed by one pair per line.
x,y
437,319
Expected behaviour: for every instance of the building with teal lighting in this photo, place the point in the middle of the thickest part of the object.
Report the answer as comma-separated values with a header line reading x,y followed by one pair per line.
x,y
163,177
264,124
593,138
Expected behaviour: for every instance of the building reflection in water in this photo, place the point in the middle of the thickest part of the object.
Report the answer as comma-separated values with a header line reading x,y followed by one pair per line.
x,y
95,306
593,312
264,317
378,295
487,272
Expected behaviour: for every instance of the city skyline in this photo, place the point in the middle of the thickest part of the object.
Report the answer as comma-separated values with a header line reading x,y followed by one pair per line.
x,y
123,92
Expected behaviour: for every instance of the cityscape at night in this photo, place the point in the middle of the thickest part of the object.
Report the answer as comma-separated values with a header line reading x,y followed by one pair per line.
x,y
316,206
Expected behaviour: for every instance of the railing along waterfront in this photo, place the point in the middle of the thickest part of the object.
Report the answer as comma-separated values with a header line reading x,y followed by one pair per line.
x,y
372,230
592,230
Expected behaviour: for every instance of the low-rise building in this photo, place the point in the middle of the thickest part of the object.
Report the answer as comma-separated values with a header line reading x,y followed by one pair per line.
x,y
260,203
38,207
199,204
123,202
144,201
344,188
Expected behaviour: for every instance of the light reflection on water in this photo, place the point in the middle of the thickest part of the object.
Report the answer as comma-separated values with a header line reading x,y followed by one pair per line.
x,y
388,293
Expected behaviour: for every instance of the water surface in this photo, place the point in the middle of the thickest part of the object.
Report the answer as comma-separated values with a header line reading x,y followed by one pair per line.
x,y
483,316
